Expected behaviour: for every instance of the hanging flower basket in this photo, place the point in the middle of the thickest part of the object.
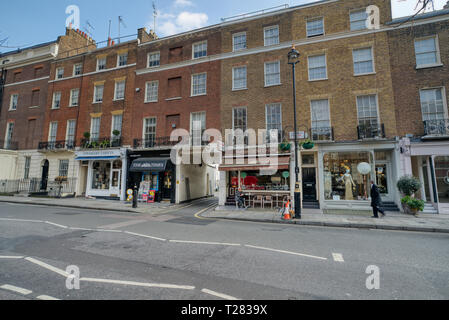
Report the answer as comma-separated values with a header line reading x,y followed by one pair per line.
x,y
308,145
285,146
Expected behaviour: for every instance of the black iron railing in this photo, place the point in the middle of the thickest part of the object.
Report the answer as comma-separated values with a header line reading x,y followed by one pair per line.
x,y
371,131
436,127
57,145
101,143
322,134
9,145
164,142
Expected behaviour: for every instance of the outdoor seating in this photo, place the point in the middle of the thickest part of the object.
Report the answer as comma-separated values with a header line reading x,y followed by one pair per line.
x,y
258,199
268,200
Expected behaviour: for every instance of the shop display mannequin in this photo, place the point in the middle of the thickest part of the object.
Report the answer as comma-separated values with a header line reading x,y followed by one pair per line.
x,y
349,184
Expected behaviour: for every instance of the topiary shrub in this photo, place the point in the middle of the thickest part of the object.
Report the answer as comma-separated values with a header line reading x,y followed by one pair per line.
x,y
409,185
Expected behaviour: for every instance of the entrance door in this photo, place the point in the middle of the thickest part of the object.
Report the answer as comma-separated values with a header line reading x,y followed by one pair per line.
x,y
383,171
167,185
309,184
44,180
116,182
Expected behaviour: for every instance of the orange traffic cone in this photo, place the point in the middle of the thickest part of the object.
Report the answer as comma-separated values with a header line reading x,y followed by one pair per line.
x,y
286,215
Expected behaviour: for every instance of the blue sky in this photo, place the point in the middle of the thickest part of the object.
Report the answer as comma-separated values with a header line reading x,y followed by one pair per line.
x,y
26,22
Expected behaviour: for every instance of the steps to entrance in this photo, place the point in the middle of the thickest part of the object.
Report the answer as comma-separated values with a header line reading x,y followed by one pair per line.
x,y
429,208
390,206
310,204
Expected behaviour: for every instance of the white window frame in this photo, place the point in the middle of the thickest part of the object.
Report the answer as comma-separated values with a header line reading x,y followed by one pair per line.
x,y
325,66
372,60
144,128
71,98
377,107
202,129
205,85
11,100
147,86
233,78
27,166
50,130
350,24
148,59
55,94
118,59
105,63
265,38
266,119
438,63
315,35
196,44
328,113
57,73
91,128
68,129
265,73
95,93
74,69
115,90
443,96
114,117
8,139
63,161
239,34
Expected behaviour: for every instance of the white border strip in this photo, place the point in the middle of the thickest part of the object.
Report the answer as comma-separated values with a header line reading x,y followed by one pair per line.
x,y
144,236
219,295
139,284
204,242
48,267
16,289
287,252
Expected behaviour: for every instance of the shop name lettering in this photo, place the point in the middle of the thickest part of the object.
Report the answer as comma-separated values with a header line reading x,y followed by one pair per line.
x,y
149,165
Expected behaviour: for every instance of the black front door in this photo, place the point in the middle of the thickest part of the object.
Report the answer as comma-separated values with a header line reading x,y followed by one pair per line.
x,y
309,184
167,185
44,180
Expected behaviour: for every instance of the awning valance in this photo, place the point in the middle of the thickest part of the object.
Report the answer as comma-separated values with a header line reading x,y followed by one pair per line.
x,y
283,163
149,165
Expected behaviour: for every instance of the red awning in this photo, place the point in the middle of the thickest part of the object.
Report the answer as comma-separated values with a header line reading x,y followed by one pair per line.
x,y
283,163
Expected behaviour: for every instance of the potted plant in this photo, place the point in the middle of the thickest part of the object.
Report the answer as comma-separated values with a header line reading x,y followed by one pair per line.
x,y
285,146
116,133
408,186
308,144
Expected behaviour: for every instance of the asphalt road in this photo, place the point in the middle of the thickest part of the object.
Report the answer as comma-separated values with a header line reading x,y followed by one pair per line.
x,y
175,255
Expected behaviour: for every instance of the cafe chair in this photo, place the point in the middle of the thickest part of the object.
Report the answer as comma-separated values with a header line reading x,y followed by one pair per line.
x,y
268,200
258,199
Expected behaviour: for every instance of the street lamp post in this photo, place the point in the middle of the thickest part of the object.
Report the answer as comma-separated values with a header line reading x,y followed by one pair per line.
x,y
293,59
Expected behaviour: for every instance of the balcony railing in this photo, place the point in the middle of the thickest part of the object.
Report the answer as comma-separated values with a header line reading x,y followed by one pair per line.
x,y
436,127
101,143
9,145
57,145
164,142
322,134
371,131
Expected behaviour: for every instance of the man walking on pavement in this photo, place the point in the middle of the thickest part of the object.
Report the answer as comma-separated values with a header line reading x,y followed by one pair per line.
x,y
376,201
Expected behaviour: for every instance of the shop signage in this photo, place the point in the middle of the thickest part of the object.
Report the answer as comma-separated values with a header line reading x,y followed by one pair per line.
x,y
154,165
299,135
98,153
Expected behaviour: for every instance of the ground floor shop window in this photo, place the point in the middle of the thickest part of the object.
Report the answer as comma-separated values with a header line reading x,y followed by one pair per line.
x,y
256,180
101,173
342,177
442,177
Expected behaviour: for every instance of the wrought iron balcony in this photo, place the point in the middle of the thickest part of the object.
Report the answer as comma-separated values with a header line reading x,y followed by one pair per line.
x,y
57,145
163,142
9,145
101,143
436,127
371,131
322,134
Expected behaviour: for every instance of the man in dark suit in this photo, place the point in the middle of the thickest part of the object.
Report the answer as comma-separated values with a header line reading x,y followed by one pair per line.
x,y
376,201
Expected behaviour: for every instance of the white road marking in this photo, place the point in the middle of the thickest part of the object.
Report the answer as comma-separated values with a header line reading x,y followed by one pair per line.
x,y
338,257
139,284
104,230
287,252
122,224
202,242
144,236
218,294
48,267
56,225
11,257
44,297
83,229
20,220
16,289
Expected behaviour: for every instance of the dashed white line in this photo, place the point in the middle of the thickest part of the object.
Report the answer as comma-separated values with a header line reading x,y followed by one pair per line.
x,y
338,257
56,225
287,252
20,220
11,257
144,236
44,297
48,267
139,284
16,289
203,242
218,294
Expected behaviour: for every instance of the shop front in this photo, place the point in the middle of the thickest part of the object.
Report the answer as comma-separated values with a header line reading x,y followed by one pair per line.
x,y
105,173
155,175
345,172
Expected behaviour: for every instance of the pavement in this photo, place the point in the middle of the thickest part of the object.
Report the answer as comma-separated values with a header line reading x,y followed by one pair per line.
x,y
312,217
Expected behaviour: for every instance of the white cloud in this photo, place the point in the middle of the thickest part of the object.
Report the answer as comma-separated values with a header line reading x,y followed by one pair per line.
x,y
407,7
183,3
185,21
